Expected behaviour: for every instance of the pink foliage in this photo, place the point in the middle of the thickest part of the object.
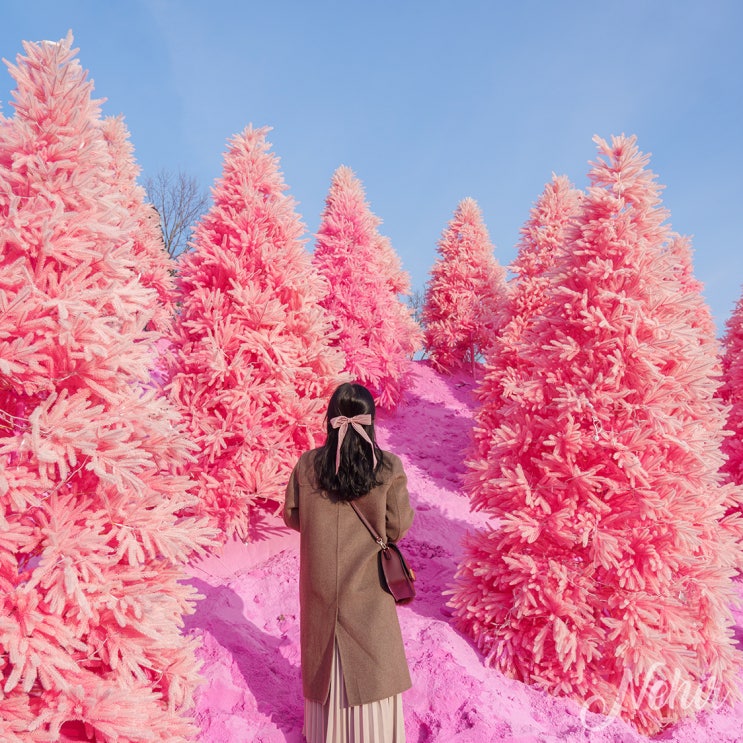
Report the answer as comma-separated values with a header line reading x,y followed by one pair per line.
x,y
153,264
542,238
251,368
731,392
506,370
91,544
462,313
608,578
375,330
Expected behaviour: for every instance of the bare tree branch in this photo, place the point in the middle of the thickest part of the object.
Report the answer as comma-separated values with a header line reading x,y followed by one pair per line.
x,y
416,299
179,201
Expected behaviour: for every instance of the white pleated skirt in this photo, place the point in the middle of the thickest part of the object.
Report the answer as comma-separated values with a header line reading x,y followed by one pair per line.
x,y
337,721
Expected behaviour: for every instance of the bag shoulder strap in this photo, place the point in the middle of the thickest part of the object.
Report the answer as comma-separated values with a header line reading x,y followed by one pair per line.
x,y
366,523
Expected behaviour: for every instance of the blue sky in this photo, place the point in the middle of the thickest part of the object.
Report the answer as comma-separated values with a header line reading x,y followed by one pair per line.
x,y
429,102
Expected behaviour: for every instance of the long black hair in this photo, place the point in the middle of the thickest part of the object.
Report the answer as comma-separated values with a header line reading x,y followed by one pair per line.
x,y
356,475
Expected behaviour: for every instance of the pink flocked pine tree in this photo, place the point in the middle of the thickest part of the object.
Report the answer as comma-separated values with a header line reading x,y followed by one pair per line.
x,y
91,546
608,576
542,238
465,296
153,264
375,329
731,392
251,368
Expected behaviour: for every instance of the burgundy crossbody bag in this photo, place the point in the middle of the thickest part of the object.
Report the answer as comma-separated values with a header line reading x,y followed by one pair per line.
x,y
398,575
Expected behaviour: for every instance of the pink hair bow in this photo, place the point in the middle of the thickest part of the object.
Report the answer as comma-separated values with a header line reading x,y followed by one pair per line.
x,y
357,422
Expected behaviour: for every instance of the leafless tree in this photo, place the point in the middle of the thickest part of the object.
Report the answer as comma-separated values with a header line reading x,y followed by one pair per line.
x,y
416,299
179,201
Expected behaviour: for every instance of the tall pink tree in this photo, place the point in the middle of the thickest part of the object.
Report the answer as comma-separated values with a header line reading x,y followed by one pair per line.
x,y
608,575
731,392
465,296
375,329
542,238
252,367
92,545
154,266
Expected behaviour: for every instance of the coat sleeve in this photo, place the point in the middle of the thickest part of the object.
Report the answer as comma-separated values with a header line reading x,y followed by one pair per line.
x,y
291,501
399,515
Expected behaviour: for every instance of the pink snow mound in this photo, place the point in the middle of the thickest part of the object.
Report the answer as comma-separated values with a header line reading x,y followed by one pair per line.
x,y
249,632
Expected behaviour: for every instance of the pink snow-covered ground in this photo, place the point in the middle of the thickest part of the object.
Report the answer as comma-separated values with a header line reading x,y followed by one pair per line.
x,y
249,628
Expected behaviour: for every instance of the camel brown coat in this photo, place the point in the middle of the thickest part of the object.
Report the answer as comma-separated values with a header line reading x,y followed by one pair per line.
x,y
340,592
